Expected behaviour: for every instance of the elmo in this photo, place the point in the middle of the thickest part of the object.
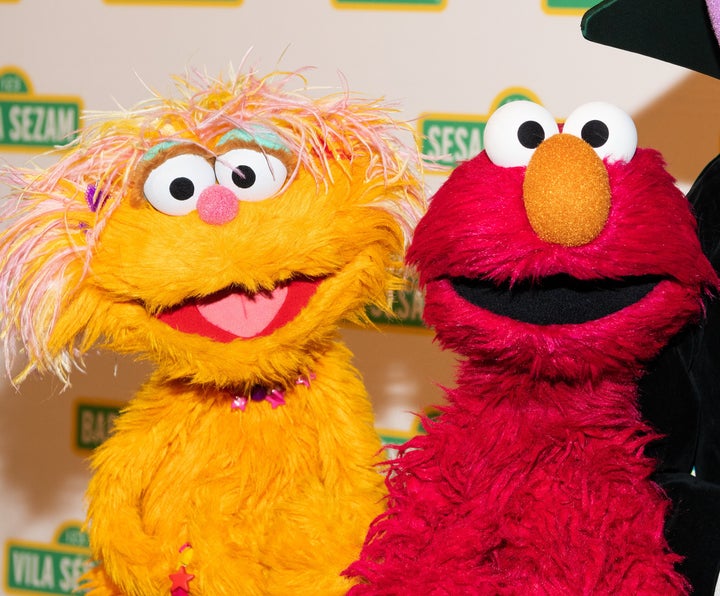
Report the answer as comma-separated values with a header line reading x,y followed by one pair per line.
x,y
223,235
556,264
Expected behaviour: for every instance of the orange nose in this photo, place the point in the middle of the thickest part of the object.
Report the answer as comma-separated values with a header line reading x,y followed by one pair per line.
x,y
566,191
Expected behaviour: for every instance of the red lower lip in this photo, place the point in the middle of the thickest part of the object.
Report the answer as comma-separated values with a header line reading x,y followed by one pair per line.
x,y
229,315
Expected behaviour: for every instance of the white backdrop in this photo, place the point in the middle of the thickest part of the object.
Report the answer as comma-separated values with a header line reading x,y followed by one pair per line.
x,y
451,58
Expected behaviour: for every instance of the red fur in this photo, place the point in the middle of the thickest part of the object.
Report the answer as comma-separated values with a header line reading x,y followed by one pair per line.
x,y
533,480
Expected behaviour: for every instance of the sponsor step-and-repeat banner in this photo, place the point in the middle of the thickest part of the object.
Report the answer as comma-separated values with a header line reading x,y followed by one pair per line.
x,y
29,121
446,64
48,568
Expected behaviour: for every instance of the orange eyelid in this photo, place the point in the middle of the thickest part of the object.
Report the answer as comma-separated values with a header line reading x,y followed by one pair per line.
x,y
145,166
286,157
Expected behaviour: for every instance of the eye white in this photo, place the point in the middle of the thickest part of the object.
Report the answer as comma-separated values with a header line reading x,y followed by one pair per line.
x,y
251,175
606,128
515,130
174,186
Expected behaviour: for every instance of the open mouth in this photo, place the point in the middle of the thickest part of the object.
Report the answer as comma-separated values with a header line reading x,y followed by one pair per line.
x,y
555,300
233,313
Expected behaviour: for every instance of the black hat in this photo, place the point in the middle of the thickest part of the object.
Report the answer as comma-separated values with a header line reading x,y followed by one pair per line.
x,y
675,31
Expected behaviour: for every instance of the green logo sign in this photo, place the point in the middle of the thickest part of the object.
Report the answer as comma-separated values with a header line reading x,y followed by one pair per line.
x,y
572,6
93,424
47,568
452,140
13,82
73,535
448,139
29,121
407,308
408,4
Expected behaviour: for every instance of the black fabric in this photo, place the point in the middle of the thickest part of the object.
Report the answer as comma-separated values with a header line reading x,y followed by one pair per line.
x,y
705,350
675,31
680,397
670,402
693,528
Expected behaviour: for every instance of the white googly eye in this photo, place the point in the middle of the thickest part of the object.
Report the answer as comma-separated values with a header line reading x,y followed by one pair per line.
x,y
251,175
606,128
515,130
174,186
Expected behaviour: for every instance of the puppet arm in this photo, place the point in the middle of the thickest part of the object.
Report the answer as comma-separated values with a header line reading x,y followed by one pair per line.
x,y
132,561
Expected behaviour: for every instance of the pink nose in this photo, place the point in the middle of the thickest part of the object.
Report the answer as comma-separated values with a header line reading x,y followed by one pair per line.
x,y
217,205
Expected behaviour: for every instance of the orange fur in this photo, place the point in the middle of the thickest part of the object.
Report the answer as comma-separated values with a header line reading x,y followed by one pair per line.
x,y
271,500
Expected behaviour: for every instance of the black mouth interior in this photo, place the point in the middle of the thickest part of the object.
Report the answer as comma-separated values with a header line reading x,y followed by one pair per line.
x,y
555,300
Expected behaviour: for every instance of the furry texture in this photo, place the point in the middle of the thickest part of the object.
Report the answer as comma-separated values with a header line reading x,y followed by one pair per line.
x,y
272,500
534,480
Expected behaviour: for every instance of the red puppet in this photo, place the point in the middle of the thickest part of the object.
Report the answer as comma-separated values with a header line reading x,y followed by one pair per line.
x,y
557,264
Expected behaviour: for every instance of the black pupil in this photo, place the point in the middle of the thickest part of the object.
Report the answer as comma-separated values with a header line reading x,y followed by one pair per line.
x,y
595,133
243,176
531,134
182,189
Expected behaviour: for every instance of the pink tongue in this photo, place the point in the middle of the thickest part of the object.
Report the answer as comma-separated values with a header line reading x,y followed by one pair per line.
x,y
244,316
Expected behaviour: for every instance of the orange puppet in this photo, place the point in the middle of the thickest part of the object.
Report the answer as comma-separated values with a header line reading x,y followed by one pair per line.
x,y
223,235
